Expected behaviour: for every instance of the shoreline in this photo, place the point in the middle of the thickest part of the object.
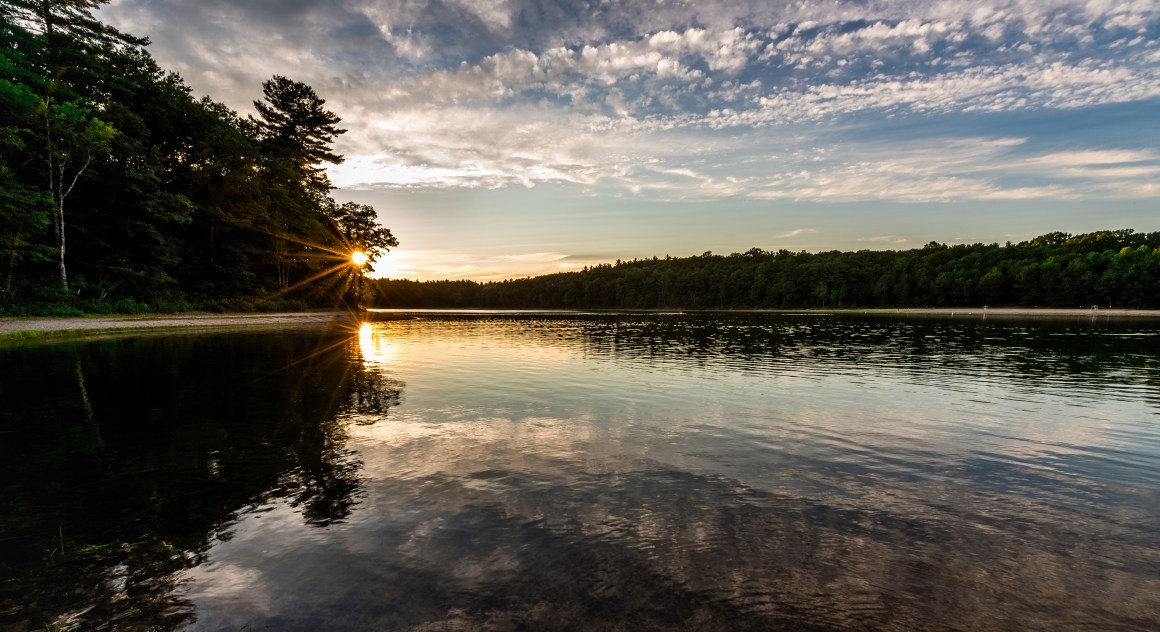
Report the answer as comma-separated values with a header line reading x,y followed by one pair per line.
x,y
1012,312
29,327
32,326
904,311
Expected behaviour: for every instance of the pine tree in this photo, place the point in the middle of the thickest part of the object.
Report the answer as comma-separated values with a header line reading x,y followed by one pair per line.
x,y
295,127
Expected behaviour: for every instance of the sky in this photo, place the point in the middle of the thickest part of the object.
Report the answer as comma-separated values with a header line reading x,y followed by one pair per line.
x,y
510,138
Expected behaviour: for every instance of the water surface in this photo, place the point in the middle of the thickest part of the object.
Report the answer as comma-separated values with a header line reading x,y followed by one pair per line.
x,y
507,471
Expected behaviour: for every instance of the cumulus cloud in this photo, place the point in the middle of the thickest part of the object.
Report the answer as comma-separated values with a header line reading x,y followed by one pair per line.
x,y
668,99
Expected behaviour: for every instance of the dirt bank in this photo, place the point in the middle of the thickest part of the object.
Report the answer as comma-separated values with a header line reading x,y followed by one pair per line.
x,y
109,323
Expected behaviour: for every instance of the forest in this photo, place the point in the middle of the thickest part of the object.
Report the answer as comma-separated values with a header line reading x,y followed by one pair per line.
x,y
1119,268
122,192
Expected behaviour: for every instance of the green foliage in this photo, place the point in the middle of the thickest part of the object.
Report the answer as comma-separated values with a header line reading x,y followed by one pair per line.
x,y
357,225
28,299
296,128
25,208
1117,268
75,130
173,202
119,306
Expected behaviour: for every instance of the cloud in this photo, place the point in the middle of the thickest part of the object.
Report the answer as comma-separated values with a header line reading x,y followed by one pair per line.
x,y
1094,157
427,264
1095,163
668,100
797,232
535,257
962,169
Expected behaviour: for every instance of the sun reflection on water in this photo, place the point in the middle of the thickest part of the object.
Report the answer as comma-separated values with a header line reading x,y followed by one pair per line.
x,y
375,349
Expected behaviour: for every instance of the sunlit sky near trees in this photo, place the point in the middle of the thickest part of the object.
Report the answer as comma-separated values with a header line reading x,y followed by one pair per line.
x,y
506,138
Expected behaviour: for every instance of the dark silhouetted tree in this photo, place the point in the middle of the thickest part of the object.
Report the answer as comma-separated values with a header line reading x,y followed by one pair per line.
x,y
295,127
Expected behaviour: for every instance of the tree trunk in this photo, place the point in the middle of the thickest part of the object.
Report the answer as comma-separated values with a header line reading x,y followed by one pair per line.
x,y
57,165
282,262
60,244
12,258
54,188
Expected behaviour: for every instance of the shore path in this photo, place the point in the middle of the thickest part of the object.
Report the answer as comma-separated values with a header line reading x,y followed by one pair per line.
x,y
154,321
197,320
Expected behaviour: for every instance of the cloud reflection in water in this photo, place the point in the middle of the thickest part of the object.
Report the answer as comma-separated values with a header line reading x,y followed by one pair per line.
x,y
726,474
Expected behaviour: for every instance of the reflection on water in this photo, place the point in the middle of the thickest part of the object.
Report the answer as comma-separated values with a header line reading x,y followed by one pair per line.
x,y
124,457
595,472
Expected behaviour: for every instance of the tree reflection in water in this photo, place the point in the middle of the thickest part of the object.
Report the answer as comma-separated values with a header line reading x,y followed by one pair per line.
x,y
124,456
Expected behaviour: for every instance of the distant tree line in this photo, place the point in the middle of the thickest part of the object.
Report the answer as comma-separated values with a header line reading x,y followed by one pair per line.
x,y
1108,268
120,191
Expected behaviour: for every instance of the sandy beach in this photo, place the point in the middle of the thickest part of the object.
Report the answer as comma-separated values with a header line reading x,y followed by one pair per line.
x,y
94,324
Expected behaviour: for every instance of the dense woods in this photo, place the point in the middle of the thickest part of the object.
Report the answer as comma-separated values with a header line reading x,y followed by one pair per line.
x,y
1117,268
121,191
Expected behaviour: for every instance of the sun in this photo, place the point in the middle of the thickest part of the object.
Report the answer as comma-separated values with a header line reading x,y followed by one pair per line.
x,y
358,258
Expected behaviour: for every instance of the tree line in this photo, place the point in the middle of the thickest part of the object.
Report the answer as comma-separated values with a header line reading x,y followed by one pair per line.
x,y
121,191
1108,268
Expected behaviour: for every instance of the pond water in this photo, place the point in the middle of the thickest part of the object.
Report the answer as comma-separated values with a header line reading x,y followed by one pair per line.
x,y
567,471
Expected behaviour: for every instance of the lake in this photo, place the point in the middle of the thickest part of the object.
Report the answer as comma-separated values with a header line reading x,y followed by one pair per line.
x,y
587,471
